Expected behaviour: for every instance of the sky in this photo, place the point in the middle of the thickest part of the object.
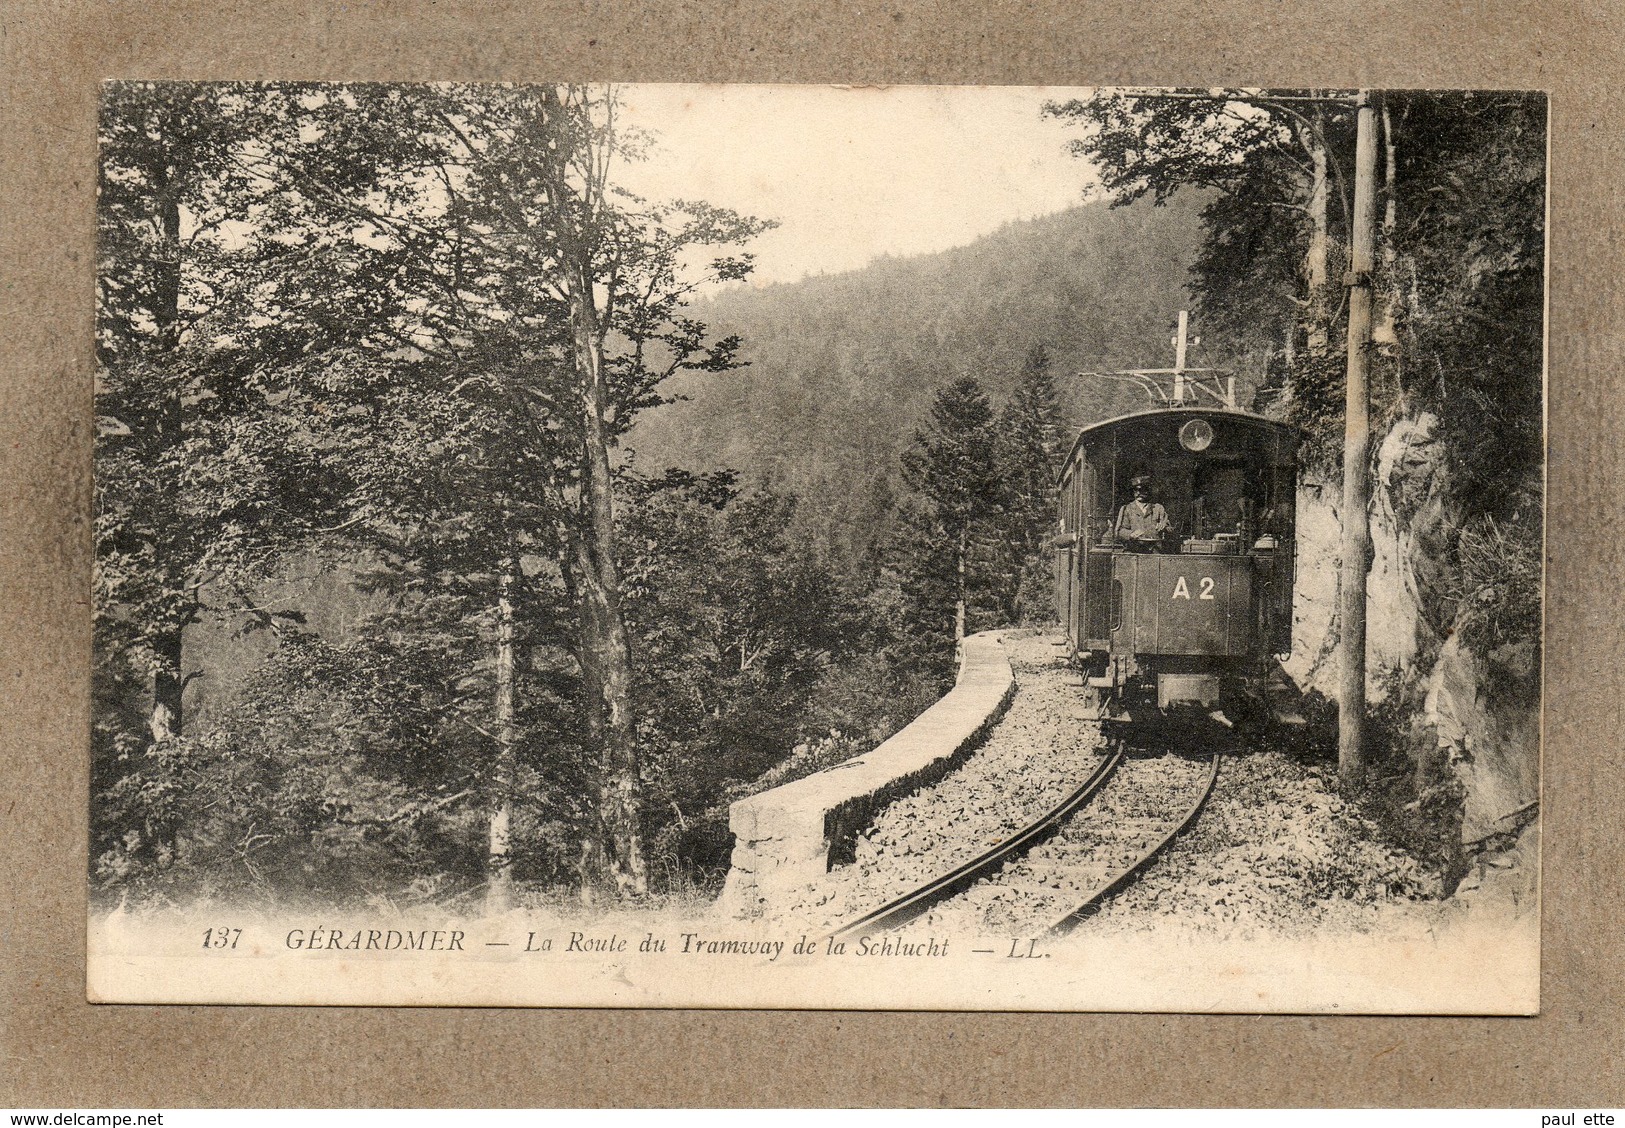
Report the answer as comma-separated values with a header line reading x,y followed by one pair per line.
x,y
855,173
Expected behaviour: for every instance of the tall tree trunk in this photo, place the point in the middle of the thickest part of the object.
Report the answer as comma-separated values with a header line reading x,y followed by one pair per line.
x,y
607,679
592,868
499,859
1317,262
959,594
168,677
164,718
605,645
575,186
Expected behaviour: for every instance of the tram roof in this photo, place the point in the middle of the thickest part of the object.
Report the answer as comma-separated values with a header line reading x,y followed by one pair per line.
x,y
1094,430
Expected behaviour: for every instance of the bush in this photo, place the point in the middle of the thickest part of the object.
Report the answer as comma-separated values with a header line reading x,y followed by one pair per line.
x,y
1500,587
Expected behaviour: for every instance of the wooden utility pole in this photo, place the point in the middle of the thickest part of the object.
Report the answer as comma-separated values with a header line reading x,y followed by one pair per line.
x,y
1179,356
1356,443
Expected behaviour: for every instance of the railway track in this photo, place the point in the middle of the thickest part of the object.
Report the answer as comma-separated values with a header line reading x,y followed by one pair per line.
x,y
925,898
1091,904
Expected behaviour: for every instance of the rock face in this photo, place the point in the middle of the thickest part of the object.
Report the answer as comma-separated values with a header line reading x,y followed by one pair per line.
x,y
1489,733
1408,608
1481,716
1312,664
1505,882
1414,520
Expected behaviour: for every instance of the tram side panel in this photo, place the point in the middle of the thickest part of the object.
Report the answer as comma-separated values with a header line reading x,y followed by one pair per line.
x,y
1062,569
1075,549
1096,579
1070,547
1082,501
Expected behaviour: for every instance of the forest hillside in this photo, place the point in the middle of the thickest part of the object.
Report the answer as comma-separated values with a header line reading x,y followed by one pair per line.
x,y
843,368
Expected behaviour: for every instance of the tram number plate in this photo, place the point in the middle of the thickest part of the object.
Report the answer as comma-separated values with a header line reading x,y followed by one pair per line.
x,y
1204,589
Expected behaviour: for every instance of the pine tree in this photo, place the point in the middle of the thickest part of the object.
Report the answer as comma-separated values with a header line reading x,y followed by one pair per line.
x,y
954,473
1030,437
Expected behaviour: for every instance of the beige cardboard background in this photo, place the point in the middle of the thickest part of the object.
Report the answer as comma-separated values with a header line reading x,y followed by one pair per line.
x,y
56,1050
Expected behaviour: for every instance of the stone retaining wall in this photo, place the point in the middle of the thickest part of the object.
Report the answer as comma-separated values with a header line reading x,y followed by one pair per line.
x,y
789,837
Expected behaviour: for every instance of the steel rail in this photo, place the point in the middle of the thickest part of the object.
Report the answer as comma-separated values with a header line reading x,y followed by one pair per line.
x,y
923,899
1092,905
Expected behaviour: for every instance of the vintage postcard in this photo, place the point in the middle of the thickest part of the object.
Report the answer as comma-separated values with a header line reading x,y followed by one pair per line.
x,y
990,548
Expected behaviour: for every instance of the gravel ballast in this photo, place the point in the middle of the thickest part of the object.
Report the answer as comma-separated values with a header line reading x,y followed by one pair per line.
x,y
1045,745
1275,850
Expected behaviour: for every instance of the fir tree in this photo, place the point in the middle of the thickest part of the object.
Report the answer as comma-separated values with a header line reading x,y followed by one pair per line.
x,y
952,469
1030,437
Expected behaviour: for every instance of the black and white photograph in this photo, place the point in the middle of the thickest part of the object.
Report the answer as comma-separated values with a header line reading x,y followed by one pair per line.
x,y
916,547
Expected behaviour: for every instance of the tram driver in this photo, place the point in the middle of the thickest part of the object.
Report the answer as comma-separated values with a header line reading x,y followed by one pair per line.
x,y
1142,523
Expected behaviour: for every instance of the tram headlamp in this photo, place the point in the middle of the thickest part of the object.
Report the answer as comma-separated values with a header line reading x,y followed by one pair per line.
x,y
1196,435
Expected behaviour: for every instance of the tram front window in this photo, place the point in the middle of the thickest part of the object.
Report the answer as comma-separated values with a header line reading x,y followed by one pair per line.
x,y
1142,523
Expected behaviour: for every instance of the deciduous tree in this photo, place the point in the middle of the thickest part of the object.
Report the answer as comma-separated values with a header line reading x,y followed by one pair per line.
x,y
407,328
